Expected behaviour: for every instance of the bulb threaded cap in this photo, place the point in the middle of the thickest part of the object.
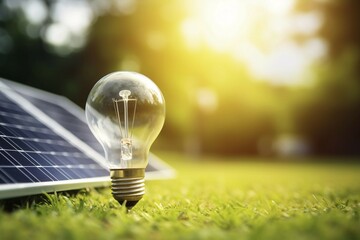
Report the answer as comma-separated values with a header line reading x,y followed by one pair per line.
x,y
128,185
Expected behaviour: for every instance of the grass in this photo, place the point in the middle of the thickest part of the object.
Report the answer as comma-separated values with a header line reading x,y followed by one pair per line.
x,y
209,199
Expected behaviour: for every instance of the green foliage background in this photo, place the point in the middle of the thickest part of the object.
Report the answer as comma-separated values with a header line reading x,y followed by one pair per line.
x,y
249,112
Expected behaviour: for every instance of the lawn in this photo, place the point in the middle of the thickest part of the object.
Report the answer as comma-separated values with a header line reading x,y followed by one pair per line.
x,y
211,198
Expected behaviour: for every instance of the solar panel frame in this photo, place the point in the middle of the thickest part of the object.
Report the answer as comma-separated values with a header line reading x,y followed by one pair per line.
x,y
21,94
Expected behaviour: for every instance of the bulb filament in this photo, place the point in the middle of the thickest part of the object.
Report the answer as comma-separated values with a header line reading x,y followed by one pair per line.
x,y
121,107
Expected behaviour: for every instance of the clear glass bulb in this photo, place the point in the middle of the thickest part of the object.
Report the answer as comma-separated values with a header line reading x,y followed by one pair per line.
x,y
126,111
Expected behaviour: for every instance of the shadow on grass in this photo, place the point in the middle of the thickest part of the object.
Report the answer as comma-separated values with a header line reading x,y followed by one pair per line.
x,y
12,204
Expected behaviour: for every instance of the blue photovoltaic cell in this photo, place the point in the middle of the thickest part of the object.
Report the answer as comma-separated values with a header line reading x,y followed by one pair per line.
x,y
31,152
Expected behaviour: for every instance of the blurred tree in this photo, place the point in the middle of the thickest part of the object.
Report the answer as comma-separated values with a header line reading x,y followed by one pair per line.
x,y
328,113
26,57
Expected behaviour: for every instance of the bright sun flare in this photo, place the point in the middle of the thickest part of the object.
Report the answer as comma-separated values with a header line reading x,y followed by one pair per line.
x,y
257,33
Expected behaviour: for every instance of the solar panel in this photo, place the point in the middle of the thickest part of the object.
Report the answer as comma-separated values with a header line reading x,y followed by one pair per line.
x,y
46,145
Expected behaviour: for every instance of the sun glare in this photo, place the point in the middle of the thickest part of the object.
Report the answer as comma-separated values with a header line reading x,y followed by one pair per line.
x,y
215,23
258,33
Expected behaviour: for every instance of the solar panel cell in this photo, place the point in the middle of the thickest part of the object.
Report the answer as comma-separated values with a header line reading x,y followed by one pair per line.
x,y
18,175
17,158
40,173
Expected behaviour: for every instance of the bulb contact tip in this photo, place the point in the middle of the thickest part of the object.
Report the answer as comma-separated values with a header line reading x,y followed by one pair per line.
x,y
128,185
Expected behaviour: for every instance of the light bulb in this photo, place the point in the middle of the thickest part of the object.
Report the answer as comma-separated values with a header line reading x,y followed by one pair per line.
x,y
126,111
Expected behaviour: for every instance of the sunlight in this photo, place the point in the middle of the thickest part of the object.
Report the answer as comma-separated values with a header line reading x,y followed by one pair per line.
x,y
221,34
258,33
216,23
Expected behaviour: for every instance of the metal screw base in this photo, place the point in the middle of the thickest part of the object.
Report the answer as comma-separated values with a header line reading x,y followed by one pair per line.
x,y
128,185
